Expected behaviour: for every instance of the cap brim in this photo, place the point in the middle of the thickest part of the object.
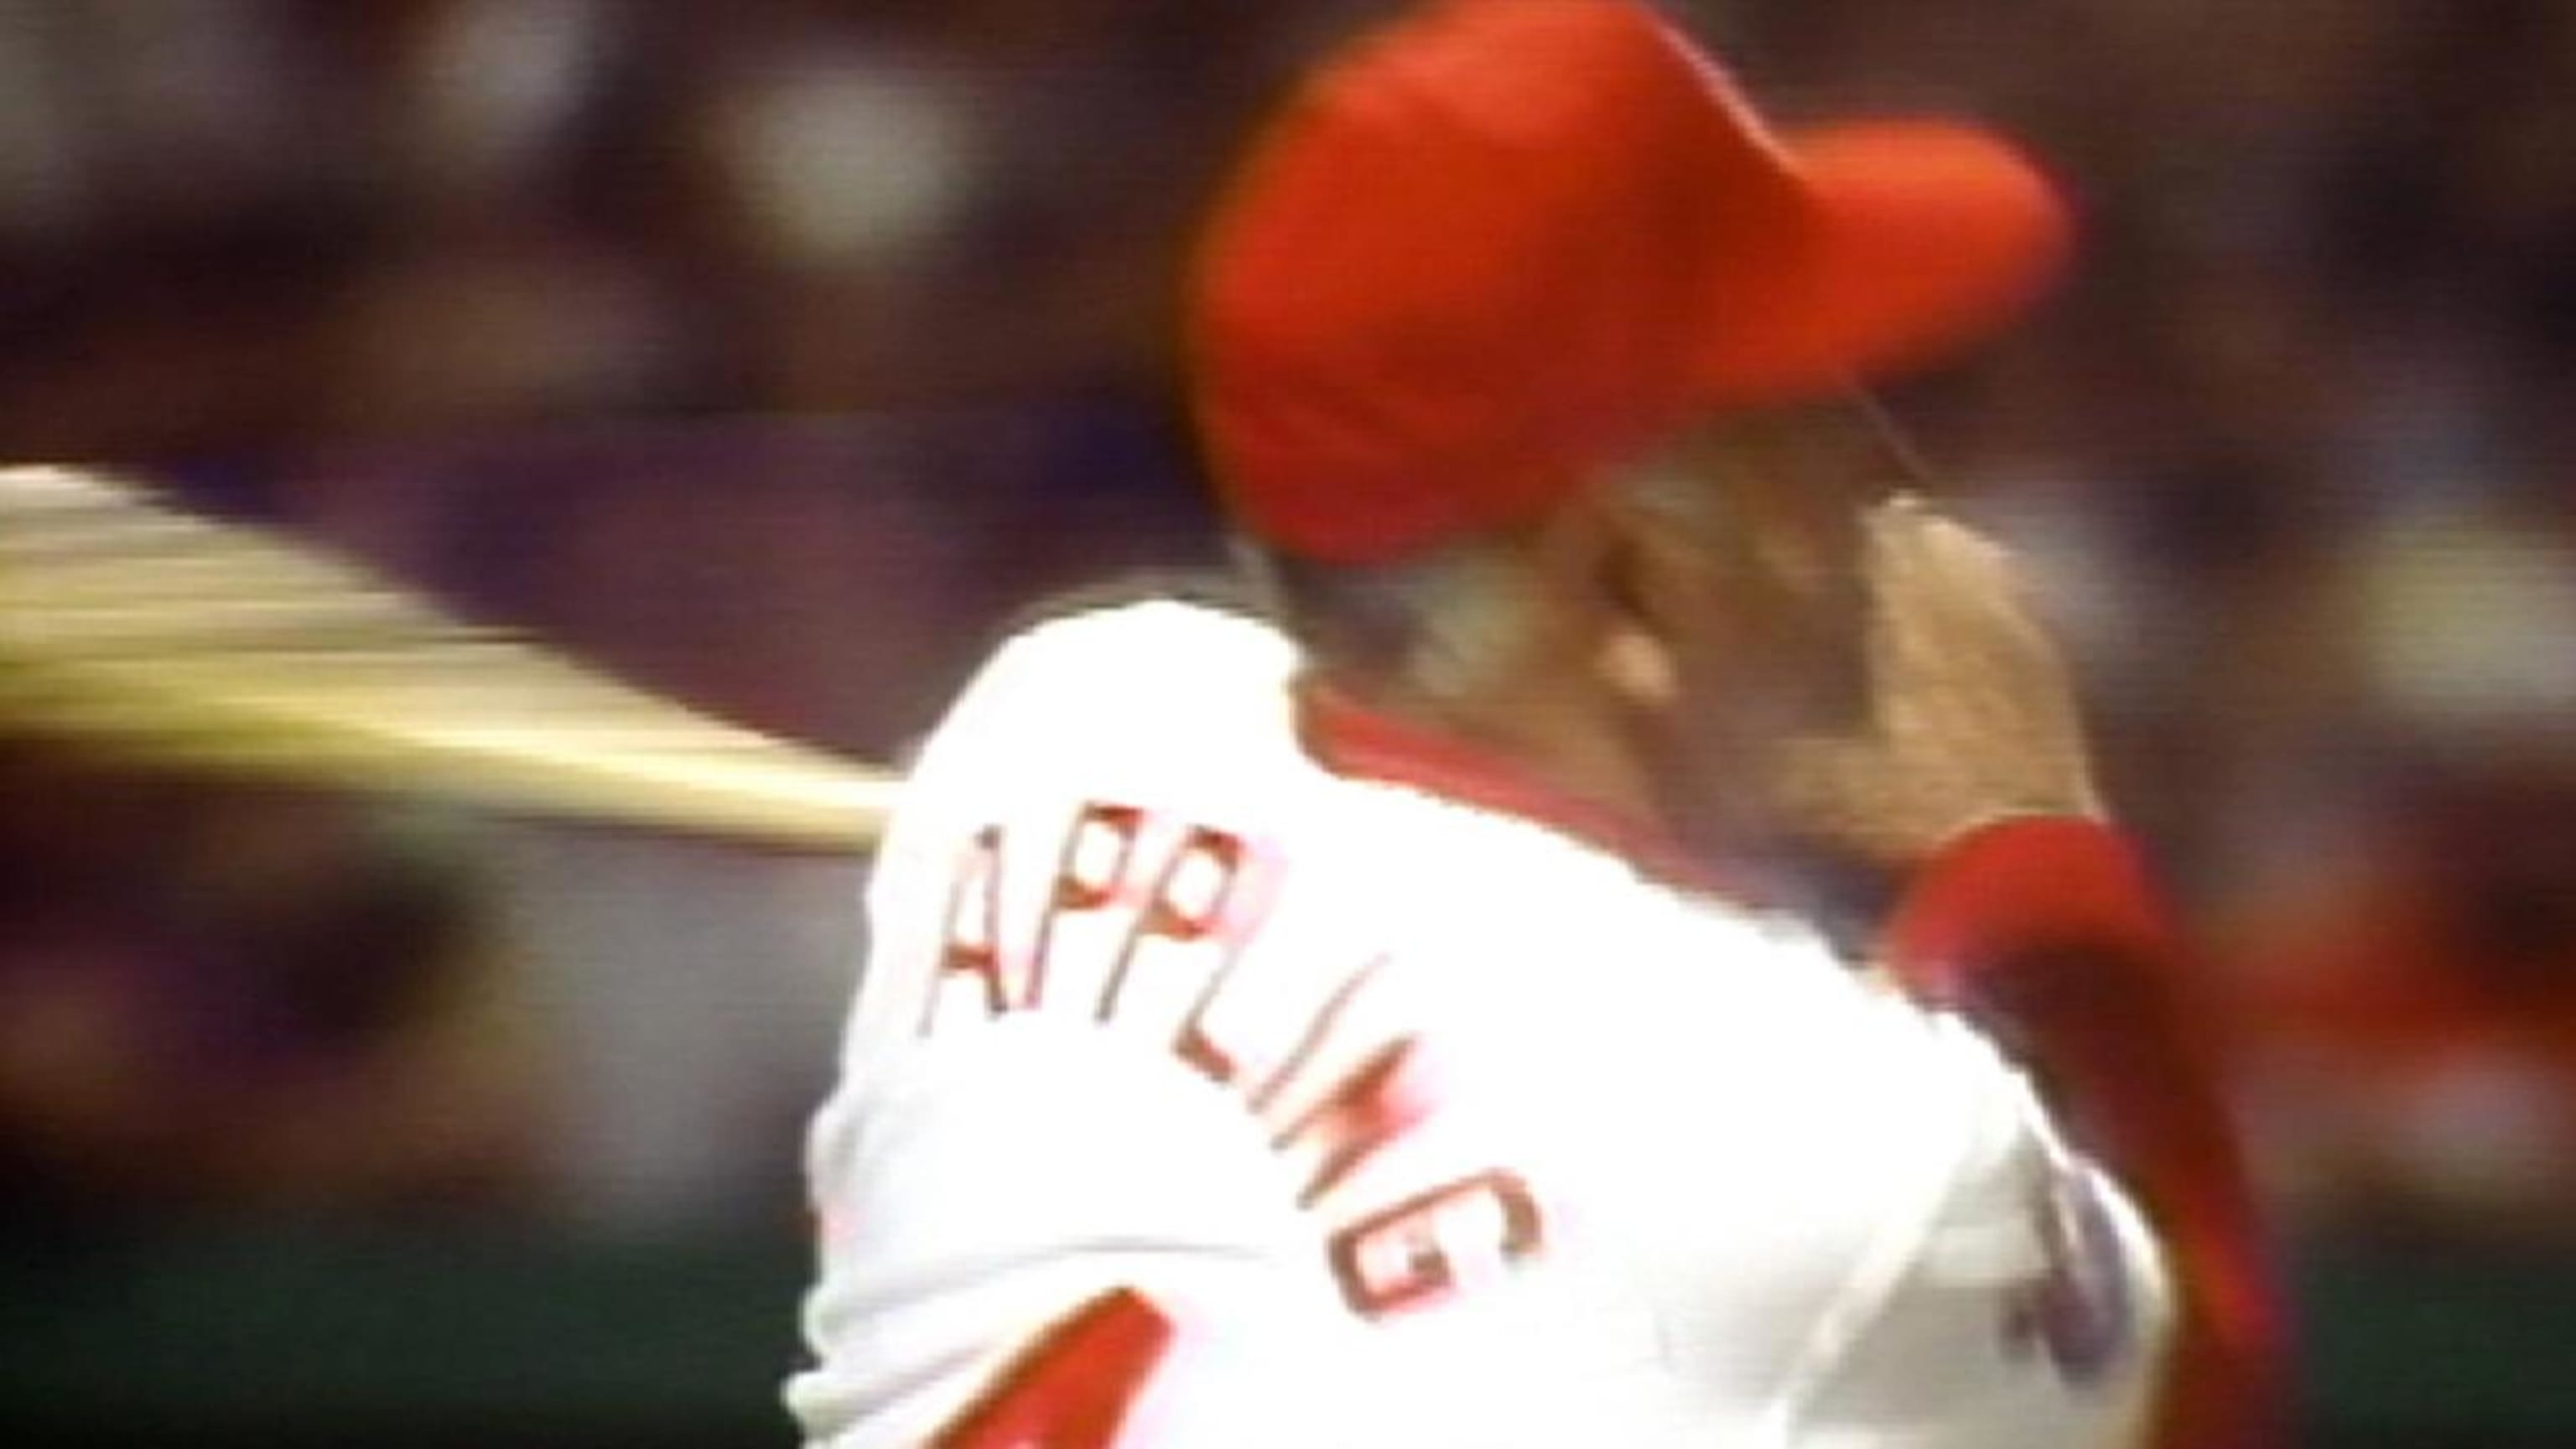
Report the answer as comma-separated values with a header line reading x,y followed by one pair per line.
x,y
1919,238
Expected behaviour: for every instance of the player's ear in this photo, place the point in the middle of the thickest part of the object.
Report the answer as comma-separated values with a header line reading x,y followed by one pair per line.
x,y
1637,571
1632,650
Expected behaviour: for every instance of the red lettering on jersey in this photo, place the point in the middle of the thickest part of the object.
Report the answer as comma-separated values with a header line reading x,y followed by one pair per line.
x,y
1205,865
1365,1115
1425,1247
972,944
1192,897
1190,904
1203,893
1099,852
1199,886
1289,1069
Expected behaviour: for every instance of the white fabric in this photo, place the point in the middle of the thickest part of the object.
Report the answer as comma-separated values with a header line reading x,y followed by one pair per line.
x,y
1776,1205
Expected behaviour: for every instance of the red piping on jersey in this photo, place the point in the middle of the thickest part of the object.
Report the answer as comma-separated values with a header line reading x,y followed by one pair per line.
x,y
1348,738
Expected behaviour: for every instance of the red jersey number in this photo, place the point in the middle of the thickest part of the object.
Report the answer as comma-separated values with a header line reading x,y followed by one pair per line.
x,y
1073,1387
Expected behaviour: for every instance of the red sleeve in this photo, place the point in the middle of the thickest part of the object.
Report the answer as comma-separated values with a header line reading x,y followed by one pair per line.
x,y
2047,932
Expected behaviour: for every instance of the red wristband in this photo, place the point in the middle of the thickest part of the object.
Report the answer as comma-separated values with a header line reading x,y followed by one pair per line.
x,y
2020,885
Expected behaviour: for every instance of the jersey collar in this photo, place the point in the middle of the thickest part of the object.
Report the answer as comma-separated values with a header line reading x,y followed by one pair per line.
x,y
1353,740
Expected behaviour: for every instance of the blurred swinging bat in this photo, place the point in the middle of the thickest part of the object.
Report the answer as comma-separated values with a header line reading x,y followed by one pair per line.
x,y
133,626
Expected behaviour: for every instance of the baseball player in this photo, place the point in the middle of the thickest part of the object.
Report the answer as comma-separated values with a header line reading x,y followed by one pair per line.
x,y
1384,1017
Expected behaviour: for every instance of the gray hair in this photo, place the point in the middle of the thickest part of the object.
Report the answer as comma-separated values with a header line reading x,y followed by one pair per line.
x,y
1441,627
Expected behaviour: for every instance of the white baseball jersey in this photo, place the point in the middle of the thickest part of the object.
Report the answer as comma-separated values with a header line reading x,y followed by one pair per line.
x,y
1427,1124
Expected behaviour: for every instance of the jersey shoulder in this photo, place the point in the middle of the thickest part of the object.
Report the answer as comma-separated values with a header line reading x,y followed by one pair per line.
x,y
1135,701
1113,682
2021,1301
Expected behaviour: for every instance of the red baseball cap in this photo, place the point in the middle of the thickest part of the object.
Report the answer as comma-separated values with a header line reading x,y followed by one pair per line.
x,y
1501,244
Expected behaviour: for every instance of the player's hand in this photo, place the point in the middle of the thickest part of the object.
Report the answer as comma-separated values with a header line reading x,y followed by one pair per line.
x,y
1972,714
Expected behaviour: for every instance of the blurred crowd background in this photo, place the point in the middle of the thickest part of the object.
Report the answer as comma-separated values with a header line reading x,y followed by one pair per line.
x,y
771,352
